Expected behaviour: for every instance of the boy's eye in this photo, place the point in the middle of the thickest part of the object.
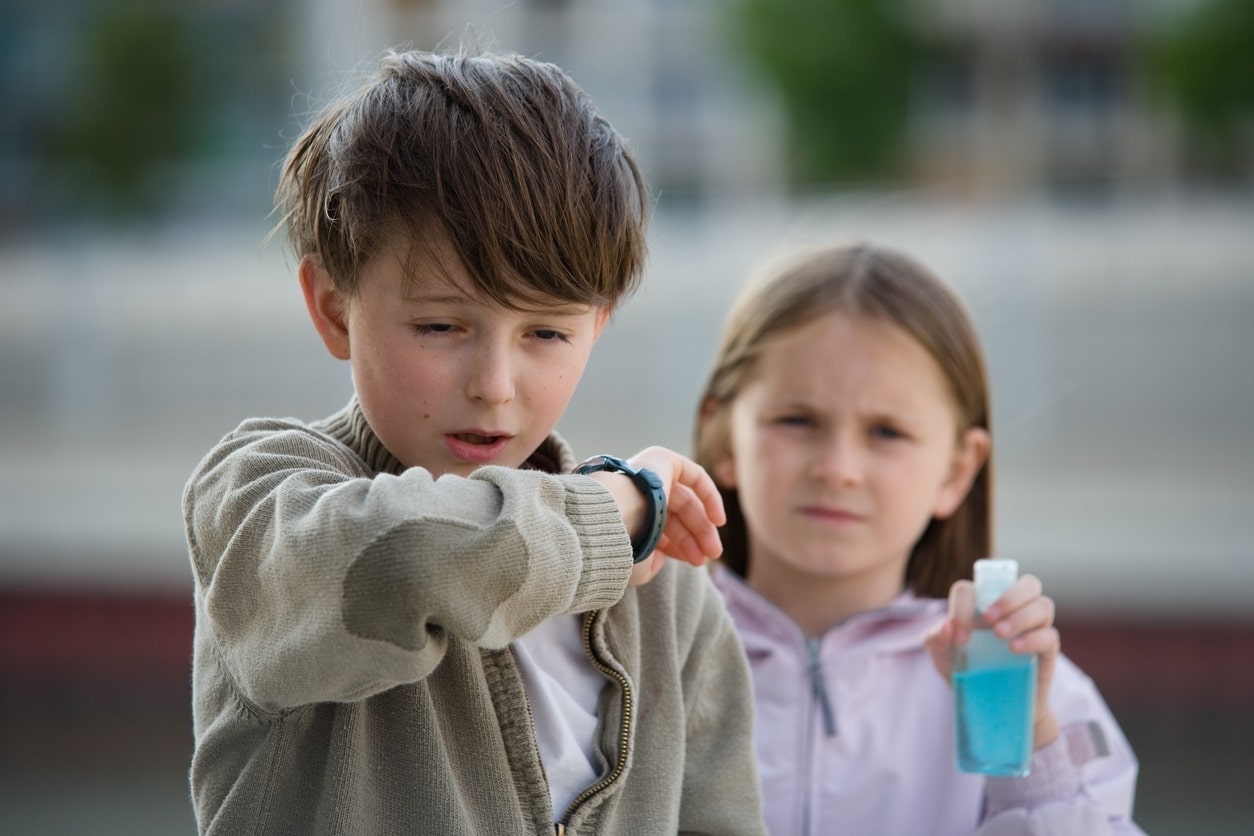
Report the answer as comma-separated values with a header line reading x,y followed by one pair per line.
x,y
549,334
427,328
795,421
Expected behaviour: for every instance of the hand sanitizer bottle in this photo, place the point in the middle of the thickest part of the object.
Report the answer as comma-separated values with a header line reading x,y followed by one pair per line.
x,y
994,687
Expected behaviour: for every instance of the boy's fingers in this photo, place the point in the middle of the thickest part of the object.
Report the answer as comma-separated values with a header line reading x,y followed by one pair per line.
x,y
687,511
690,476
694,477
680,472
647,569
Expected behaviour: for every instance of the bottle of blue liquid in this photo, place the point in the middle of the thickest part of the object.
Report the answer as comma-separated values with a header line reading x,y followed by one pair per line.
x,y
994,687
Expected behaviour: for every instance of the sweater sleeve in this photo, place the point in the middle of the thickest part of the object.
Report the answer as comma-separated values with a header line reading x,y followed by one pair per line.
x,y
319,581
1083,782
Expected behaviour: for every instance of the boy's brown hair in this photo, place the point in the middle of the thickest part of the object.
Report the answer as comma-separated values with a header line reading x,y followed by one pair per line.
x,y
536,192
881,284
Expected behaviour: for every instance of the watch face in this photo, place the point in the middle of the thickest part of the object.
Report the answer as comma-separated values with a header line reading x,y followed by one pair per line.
x,y
604,462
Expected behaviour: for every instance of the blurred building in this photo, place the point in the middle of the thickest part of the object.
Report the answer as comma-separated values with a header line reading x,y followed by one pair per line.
x,y
1037,93
661,71
1011,97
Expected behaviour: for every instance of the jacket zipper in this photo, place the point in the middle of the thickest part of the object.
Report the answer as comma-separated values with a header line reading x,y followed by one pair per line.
x,y
818,688
624,732
818,695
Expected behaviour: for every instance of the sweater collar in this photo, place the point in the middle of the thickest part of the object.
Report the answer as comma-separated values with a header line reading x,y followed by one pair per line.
x,y
350,427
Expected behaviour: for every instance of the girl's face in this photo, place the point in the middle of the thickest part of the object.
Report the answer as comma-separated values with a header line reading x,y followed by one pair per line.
x,y
844,444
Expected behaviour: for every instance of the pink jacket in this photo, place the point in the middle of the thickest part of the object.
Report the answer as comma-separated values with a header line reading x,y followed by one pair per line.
x,y
854,734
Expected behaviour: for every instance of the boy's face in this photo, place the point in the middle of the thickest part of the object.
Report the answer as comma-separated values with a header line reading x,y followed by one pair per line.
x,y
448,380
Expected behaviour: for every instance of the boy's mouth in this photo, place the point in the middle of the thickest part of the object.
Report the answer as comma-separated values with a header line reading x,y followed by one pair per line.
x,y
477,448
476,438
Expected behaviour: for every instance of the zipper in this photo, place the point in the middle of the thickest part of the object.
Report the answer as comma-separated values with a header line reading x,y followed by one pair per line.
x,y
818,696
624,732
818,689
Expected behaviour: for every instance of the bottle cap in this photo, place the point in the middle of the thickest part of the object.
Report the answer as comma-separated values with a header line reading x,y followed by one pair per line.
x,y
993,576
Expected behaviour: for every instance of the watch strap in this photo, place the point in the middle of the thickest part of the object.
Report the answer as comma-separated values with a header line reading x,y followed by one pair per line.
x,y
649,484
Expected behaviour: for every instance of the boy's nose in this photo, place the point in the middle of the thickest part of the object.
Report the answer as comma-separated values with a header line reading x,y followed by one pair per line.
x,y
491,377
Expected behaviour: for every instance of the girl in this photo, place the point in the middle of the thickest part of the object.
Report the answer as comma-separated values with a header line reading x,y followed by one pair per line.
x,y
846,422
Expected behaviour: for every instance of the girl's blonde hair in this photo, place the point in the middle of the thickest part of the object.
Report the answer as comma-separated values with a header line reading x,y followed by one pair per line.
x,y
878,283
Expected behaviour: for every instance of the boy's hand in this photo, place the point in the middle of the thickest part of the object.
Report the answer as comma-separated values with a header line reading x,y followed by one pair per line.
x,y
694,510
1025,618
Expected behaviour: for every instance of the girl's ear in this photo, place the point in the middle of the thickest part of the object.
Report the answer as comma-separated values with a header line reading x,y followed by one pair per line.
x,y
327,306
713,421
969,457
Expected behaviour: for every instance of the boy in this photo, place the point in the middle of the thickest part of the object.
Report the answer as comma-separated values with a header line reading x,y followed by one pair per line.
x,y
411,616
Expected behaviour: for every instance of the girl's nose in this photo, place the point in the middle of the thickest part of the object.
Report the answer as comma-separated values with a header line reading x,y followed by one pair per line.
x,y
491,377
839,461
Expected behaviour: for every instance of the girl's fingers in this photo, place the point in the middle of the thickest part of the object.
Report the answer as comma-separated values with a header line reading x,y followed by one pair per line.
x,y
940,645
1036,614
962,611
1044,641
1025,589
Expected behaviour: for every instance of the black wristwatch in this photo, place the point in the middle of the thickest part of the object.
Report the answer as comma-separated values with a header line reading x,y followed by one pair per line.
x,y
650,484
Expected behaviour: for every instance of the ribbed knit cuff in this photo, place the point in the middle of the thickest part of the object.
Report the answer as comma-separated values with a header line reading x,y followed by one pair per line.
x,y
606,546
1053,778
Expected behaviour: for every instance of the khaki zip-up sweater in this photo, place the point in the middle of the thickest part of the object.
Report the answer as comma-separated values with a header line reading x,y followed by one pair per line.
x,y
352,670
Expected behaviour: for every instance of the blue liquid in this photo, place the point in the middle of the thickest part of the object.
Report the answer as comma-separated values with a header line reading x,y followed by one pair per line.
x,y
994,712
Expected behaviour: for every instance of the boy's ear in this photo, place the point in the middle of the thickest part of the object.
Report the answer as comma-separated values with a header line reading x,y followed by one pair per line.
x,y
326,306
969,458
603,318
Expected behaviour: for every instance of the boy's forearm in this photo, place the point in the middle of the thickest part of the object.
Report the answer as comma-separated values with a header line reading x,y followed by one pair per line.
x,y
323,584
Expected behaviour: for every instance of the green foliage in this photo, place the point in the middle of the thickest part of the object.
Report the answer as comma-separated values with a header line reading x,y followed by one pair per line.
x,y
132,111
843,70
1203,64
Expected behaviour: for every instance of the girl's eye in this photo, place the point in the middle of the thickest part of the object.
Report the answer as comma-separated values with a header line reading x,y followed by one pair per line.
x,y
886,432
795,421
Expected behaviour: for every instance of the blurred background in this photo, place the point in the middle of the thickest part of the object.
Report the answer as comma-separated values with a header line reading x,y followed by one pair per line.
x,y
1081,170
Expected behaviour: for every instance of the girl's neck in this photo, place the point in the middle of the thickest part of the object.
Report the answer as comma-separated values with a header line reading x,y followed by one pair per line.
x,y
817,604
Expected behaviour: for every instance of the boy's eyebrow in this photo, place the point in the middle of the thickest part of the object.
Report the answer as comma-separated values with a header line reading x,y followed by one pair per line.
x,y
455,297
448,298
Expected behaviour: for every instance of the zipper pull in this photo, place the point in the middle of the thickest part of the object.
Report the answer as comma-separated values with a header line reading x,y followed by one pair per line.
x,y
818,689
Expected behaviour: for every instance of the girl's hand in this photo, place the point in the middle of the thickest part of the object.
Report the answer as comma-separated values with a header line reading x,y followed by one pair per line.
x,y
694,510
1024,617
